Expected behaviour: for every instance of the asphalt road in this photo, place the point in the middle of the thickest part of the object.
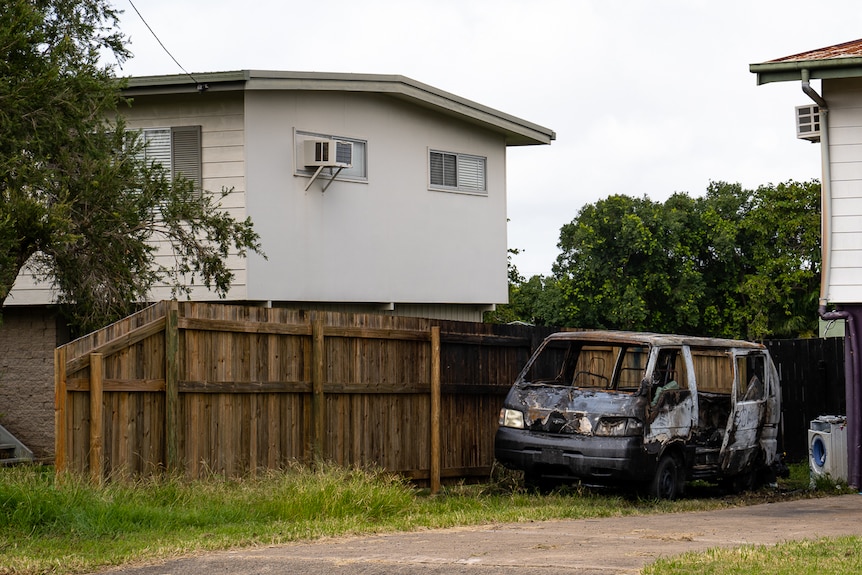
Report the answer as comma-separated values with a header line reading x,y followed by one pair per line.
x,y
585,547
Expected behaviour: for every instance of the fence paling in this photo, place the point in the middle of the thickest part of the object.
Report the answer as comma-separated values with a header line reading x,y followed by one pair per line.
x,y
435,409
60,409
318,354
172,372
96,419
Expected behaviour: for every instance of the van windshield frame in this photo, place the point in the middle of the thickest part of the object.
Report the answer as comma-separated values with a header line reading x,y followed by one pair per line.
x,y
597,365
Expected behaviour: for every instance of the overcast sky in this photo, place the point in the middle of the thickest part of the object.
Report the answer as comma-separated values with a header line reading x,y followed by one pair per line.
x,y
647,97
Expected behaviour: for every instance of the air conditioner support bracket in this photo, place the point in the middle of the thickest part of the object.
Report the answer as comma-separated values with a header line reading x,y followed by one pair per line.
x,y
317,173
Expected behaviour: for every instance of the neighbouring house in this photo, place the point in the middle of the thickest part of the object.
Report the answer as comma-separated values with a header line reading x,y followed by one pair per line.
x,y
371,193
833,117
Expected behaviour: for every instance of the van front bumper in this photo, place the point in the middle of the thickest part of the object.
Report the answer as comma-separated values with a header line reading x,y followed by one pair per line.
x,y
586,457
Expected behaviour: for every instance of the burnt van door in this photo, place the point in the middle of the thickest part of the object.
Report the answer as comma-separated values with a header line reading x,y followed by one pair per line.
x,y
670,402
741,444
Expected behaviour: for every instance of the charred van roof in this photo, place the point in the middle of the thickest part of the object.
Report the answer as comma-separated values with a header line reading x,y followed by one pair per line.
x,y
652,339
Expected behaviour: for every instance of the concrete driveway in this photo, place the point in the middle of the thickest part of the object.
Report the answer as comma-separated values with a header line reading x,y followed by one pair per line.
x,y
585,546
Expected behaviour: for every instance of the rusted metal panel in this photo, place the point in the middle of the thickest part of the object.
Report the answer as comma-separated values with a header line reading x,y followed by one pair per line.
x,y
844,50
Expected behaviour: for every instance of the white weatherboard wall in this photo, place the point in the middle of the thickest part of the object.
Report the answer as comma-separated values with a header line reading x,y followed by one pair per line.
x,y
390,239
28,291
222,140
222,157
845,148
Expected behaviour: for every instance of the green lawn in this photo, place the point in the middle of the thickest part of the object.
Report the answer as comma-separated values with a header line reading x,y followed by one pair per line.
x,y
834,556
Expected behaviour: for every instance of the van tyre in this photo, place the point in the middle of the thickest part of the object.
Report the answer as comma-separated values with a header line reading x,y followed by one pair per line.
x,y
668,480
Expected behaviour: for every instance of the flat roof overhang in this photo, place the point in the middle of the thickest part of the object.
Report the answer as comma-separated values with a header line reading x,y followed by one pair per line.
x,y
518,132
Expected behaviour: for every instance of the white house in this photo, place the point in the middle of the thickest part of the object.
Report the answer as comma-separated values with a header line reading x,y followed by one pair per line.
x,y
413,224
833,117
371,193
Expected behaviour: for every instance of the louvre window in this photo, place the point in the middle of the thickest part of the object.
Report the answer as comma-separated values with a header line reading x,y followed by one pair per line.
x,y
457,172
177,149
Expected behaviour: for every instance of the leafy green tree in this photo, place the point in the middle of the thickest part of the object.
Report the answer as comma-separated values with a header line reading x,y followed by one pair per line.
x,y
732,263
534,301
79,207
538,300
781,291
507,313
630,263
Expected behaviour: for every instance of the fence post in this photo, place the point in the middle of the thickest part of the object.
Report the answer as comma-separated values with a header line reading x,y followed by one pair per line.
x,y
318,404
96,411
59,410
435,409
172,370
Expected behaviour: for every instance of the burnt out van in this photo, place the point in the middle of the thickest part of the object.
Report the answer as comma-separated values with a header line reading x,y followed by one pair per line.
x,y
656,410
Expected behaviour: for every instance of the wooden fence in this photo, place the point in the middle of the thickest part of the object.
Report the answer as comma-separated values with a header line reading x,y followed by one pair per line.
x,y
208,388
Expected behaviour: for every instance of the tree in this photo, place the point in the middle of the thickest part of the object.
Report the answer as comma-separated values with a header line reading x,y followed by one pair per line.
x,y
631,263
733,263
79,206
506,313
781,292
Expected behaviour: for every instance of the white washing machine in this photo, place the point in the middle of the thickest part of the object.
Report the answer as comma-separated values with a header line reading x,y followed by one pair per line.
x,y
827,447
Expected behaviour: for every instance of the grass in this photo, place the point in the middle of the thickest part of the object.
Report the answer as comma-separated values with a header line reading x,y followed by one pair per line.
x,y
68,526
835,556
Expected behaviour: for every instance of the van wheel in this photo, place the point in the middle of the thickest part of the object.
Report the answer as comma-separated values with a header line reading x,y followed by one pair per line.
x,y
668,480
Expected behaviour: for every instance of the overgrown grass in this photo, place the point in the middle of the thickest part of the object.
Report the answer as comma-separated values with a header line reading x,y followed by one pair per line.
x,y
68,526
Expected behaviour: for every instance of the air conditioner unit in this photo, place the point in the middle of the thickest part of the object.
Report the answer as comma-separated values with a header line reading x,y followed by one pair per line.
x,y
808,123
328,153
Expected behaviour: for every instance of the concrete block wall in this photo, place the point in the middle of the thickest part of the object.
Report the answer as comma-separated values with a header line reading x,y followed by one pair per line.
x,y
28,337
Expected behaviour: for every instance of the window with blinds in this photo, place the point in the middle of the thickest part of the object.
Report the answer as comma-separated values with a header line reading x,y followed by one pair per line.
x,y
177,149
457,172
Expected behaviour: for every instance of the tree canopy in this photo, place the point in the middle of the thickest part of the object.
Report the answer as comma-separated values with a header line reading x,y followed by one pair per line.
x,y
79,205
732,263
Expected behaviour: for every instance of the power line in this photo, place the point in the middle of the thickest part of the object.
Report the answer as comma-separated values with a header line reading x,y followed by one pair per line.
x,y
201,87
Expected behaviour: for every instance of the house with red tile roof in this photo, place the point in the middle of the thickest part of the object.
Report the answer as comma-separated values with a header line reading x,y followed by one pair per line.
x,y
833,117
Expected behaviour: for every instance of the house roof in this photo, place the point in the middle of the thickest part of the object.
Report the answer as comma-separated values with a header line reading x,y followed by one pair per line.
x,y
518,132
838,61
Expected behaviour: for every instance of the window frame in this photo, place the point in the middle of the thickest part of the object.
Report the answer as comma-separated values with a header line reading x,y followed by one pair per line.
x,y
463,162
184,153
358,173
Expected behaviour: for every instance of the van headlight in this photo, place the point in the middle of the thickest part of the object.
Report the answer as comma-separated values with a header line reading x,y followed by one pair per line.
x,y
511,418
619,427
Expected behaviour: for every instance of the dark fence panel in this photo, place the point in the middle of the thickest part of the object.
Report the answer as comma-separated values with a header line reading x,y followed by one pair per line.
x,y
812,384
